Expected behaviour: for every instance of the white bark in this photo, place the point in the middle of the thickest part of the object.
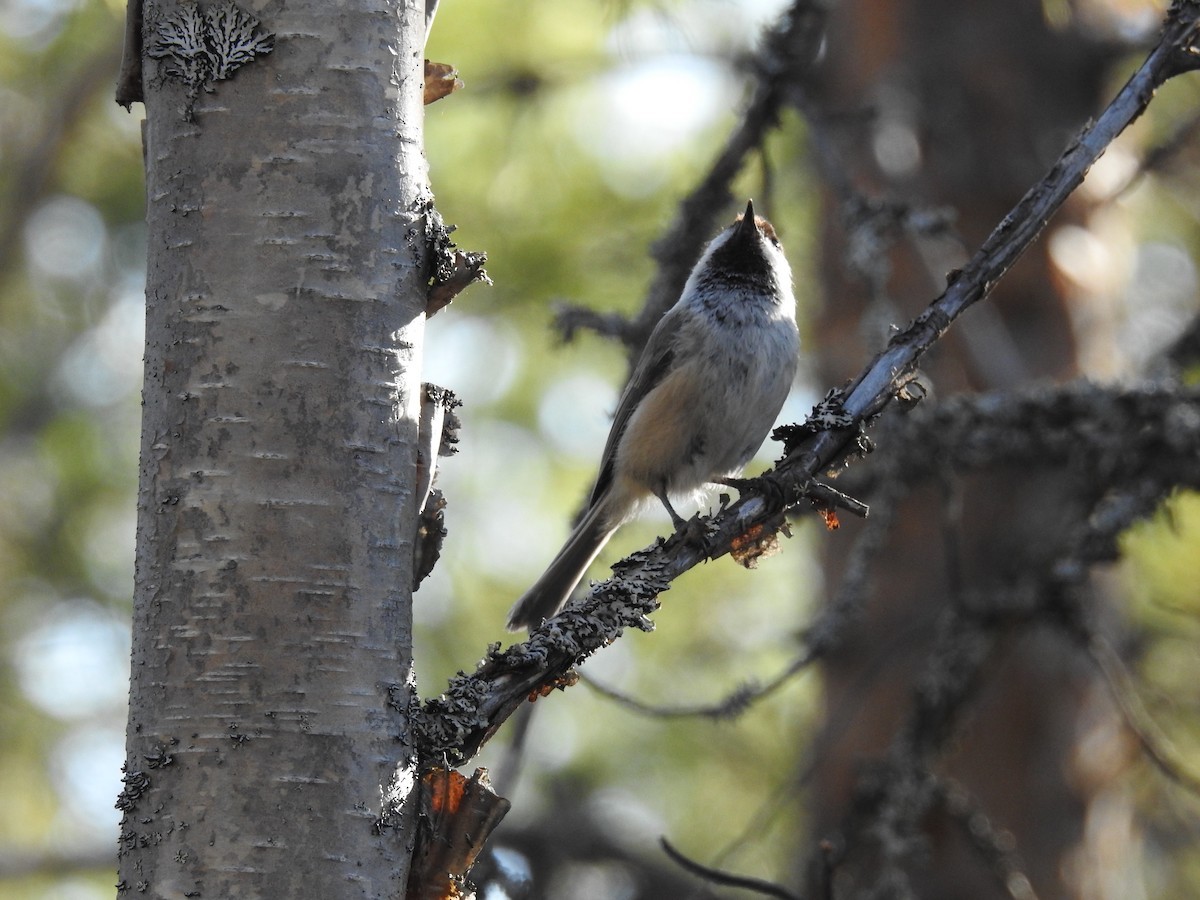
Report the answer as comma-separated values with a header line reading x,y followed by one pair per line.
x,y
285,295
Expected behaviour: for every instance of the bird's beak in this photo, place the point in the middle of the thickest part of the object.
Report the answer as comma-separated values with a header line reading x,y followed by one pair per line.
x,y
747,227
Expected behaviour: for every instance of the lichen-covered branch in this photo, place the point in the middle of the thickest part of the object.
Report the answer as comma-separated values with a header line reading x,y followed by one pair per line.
x,y
451,269
874,389
1141,440
452,727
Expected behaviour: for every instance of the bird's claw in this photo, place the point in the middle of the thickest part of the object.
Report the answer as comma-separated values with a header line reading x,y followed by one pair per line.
x,y
766,488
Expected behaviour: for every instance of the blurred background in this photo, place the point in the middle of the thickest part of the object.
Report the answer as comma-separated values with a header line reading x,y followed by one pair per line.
x,y
564,157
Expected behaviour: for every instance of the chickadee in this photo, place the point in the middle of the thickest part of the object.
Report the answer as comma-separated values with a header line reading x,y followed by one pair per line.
x,y
705,392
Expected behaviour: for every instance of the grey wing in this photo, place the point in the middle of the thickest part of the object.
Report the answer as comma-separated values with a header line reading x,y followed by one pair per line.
x,y
655,362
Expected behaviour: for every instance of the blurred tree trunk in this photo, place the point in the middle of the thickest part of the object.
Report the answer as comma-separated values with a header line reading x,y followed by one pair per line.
x,y
272,616
970,104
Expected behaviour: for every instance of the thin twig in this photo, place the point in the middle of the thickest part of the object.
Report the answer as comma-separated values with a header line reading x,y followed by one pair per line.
x,y
725,879
733,705
1154,744
1157,157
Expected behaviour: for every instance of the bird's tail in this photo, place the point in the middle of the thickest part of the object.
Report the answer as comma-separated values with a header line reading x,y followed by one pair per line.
x,y
550,592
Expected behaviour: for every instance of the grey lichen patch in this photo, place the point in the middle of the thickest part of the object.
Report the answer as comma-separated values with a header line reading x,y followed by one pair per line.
x,y
450,729
235,40
203,46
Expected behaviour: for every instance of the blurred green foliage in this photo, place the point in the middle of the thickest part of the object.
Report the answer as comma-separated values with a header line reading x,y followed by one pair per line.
x,y
550,162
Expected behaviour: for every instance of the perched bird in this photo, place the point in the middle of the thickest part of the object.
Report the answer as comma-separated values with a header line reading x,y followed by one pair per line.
x,y
701,400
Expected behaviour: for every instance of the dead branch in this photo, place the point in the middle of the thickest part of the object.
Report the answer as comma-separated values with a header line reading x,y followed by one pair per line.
x,y
725,879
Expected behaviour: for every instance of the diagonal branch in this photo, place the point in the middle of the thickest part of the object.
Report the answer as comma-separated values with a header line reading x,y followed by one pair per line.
x,y
1155,745
868,394
451,728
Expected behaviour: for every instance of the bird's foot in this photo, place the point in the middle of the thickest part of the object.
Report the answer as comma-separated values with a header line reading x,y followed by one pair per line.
x,y
763,487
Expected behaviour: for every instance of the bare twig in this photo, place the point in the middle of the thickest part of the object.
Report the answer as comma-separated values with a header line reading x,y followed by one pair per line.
x,y
1156,747
1159,156
570,319
54,860
725,879
730,707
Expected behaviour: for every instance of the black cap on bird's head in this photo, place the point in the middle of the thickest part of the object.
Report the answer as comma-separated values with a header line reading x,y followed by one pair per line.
x,y
747,249
750,227
749,230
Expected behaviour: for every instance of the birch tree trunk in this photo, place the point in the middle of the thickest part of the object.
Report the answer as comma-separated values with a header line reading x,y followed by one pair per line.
x,y
266,751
